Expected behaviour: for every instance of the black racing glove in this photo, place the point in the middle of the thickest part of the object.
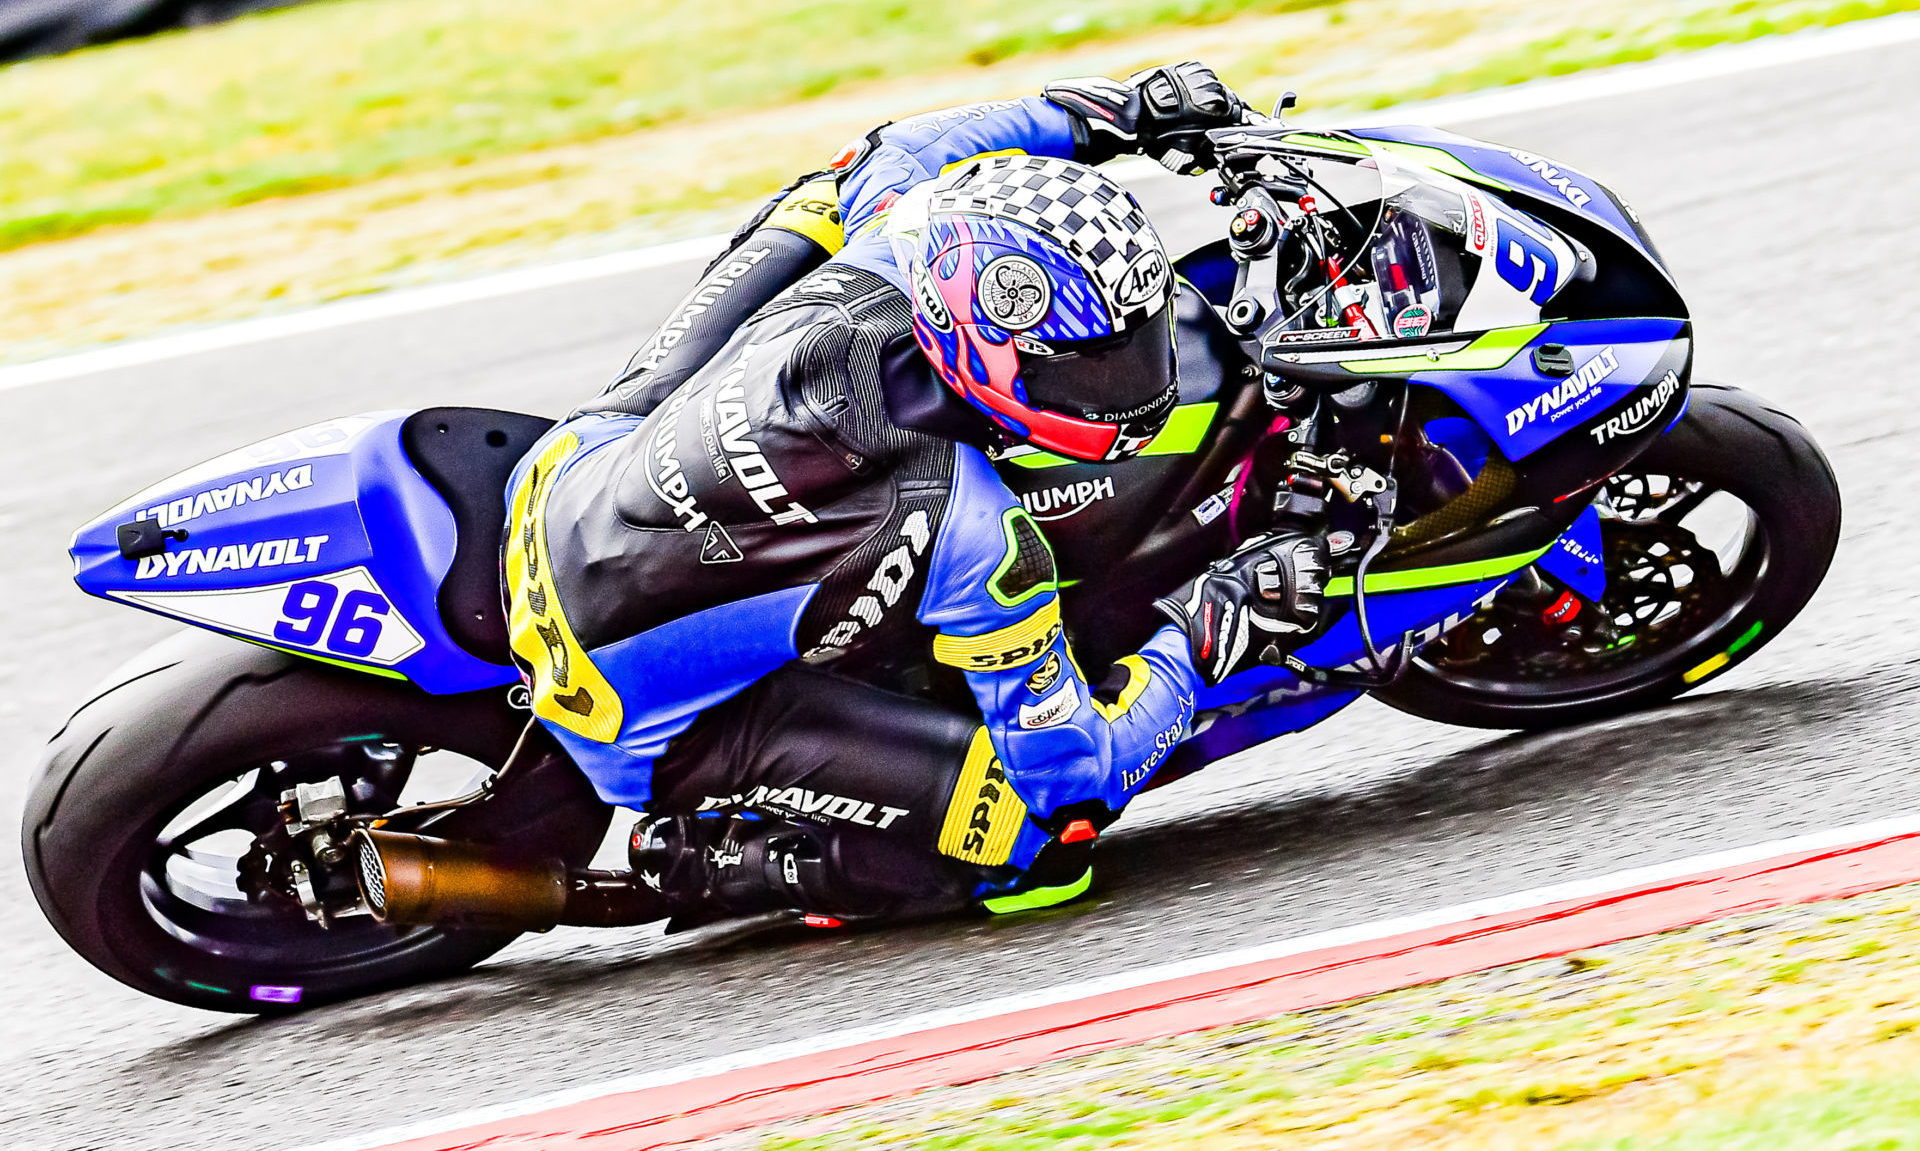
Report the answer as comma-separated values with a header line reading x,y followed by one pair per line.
x,y
1253,607
1163,112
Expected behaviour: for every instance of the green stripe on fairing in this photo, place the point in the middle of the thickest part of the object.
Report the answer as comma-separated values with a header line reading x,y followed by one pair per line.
x,y
1186,430
1040,896
1490,351
1445,575
1325,143
1753,633
1425,155
386,673
1441,160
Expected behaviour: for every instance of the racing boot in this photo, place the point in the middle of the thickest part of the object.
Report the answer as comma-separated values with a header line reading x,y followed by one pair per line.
x,y
668,855
710,869
1255,606
1063,869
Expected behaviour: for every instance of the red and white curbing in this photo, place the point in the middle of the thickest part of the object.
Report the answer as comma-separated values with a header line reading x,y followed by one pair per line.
x,y
845,1068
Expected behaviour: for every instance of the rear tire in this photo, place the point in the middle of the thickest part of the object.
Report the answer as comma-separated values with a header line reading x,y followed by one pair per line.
x,y
1729,441
200,709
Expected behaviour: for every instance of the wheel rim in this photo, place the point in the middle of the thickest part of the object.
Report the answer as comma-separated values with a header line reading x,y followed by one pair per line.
x,y
1684,559
204,884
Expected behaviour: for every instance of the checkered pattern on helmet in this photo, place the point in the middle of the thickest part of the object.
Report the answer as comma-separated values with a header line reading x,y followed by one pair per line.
x,y
1094,218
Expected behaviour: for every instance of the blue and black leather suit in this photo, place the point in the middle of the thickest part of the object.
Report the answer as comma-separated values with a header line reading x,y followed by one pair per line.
x,y
756,508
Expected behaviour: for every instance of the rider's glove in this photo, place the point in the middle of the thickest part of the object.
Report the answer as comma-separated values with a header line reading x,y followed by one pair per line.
x,y
1253,607
1163,112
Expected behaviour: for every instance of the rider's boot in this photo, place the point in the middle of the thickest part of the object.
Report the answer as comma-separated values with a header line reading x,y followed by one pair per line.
x,y
714,868
668,855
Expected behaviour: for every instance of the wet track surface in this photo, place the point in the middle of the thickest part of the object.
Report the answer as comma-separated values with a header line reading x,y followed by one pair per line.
x,y
1784,201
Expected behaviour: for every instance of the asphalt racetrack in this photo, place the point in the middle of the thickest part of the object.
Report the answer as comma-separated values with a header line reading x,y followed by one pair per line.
x,y
1785,201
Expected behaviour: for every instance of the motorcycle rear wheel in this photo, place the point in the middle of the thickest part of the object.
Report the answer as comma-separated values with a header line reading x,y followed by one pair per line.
x,y
1678,611
137,827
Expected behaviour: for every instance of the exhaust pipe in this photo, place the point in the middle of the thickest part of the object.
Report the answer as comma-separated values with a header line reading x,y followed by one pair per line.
x,y
417,880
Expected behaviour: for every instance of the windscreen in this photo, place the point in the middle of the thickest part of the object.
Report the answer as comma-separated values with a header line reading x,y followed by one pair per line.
x,y
1409,252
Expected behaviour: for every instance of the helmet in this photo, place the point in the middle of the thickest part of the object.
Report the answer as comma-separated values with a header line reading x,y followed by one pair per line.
x,y
1040,294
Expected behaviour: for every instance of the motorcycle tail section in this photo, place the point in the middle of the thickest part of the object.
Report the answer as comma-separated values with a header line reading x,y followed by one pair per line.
x,y
327,542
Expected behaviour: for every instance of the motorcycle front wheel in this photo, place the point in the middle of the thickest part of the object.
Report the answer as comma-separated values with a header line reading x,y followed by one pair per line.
x,y
142,831
1714,539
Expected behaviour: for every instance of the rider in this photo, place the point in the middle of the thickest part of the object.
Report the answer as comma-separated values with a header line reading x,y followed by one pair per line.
x,y
791,484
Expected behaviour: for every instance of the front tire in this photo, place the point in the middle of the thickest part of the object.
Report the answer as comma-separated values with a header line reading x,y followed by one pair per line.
x,y
1672,618
152,891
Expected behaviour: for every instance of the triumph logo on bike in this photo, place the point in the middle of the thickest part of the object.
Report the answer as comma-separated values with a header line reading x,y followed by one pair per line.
x,y
1640,414
1570,396
1572,547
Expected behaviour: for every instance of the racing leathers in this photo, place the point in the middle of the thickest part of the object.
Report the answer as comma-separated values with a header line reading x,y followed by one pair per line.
x,y
692,559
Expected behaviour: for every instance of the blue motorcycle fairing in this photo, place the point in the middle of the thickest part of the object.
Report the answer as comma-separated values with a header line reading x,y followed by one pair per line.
x,y
1463,439
325,542
1523,175
1261,704
1577,558
1523,409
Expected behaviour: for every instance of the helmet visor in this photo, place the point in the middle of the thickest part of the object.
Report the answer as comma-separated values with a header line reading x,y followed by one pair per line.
x,y
1125,380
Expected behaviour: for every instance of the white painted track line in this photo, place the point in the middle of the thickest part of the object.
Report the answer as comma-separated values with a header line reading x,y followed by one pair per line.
x,y
1707,64
1090,988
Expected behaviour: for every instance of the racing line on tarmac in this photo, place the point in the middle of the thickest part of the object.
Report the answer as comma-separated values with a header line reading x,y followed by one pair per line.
x,y
844,1068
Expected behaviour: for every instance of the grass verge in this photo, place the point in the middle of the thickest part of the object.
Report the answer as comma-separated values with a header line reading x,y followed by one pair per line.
x,y
355,145
336,93
1797,1028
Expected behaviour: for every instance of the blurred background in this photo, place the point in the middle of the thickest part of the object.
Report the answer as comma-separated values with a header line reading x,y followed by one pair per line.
x,y
190,171
171,167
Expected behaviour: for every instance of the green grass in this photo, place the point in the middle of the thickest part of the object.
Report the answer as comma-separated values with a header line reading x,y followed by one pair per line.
x,y
1578,50
1680,1042
1878,1113
350,146
336,93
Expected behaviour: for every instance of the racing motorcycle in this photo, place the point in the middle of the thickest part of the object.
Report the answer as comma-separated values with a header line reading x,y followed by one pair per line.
x,y
1467,364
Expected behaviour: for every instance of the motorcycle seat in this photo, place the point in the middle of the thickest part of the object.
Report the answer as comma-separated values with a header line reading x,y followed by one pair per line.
x,y
467,455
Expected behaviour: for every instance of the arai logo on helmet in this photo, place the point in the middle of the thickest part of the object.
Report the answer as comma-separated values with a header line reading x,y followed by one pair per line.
x,y
1014,293
1144,280
932,308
